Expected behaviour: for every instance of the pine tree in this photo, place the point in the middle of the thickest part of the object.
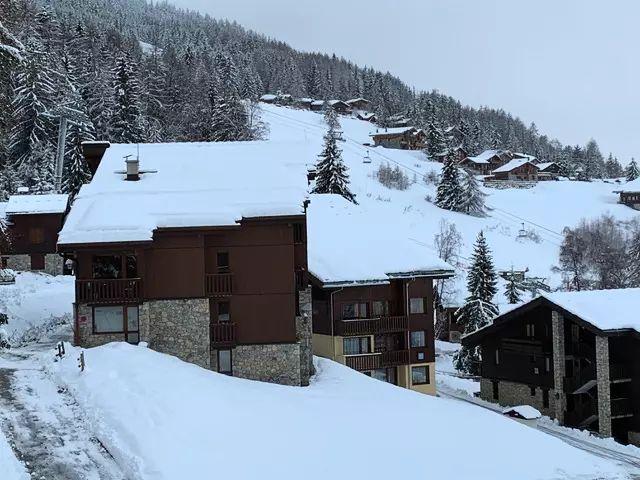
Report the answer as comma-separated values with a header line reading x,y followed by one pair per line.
x,y
613,167
126,124
436,144
479,308
473,197
632,172
634,259
450,194
513,289
332,176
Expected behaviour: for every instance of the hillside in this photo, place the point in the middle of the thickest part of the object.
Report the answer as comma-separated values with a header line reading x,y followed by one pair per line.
x,y
545,209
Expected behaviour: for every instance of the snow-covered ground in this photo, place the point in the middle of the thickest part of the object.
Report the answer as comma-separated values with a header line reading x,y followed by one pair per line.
x,y
545,209
162,418
35,302
11,468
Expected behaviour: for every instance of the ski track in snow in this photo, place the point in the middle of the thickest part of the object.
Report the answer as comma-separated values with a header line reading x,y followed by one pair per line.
x,y
45,425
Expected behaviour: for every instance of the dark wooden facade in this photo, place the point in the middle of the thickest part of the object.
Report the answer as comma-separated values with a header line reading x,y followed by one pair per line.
x,y
630,199
256,268
34,233
408,139
527,172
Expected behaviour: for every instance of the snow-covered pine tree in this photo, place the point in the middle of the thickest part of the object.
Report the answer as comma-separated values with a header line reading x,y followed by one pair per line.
x,y
613,167
473,197
478,309
331,172
632,172
126,124
513,289
437,148
450,194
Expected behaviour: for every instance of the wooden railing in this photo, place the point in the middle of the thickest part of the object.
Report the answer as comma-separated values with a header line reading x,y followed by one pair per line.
x,y
219,284
621,407
394,358
223,334
371,326
369,361
121,290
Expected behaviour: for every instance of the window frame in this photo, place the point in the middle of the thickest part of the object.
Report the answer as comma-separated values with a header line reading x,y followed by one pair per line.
x,y
427,374
225,372
423,302
228,304
360,352
222,269
125,321
358,304
36,236
424,338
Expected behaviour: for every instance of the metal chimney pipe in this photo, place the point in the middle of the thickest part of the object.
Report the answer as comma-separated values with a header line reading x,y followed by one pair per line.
x,y
133,169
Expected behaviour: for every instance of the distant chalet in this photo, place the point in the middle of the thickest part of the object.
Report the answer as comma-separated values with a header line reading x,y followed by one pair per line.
x,y
571,355
372,304
198,249
630,196
516,169
33,223
402,138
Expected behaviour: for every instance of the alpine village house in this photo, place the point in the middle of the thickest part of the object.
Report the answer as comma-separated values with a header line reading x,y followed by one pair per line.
x,y
201,258
372,308
33,223
571,355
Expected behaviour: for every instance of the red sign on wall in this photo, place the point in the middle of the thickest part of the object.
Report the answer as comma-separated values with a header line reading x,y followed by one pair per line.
x,y
82,320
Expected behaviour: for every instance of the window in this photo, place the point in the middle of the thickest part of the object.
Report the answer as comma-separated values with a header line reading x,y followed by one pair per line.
x,y
224,312
356,345
352,311
420,355
496,389
497,357
224,362
380,308
222,262
418,339
36,235
416,305
547,364
114,266
533,391
531,330
108,319
133,326
420,375
298,233
545,398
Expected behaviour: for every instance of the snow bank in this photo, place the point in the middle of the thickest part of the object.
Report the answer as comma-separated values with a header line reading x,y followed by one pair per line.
x,y
11,468
526,412
34,300
165,419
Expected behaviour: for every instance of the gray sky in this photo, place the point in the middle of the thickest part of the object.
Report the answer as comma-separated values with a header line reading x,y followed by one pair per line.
x,y
569,65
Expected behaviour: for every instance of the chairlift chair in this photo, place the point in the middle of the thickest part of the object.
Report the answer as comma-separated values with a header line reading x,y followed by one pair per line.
x,y
367,158
522,233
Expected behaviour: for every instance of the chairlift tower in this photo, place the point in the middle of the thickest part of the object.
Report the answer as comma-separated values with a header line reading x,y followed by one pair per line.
x,y
66,115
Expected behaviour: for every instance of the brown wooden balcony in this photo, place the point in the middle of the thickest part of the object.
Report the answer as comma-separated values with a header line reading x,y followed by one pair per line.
x,y
372,326
369,361
395,358
109,291
219,284
223,334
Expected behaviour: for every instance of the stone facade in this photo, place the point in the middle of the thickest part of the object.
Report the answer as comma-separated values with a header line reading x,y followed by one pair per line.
x,y
20,263
512,394
604,386
53,263
560,399
275,363
85,335
178,327
304,333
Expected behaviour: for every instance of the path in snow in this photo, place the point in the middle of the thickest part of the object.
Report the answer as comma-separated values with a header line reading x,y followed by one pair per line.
x,y
45,425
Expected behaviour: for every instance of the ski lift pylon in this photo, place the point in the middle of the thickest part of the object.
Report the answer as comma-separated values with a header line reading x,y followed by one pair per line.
x,y
367,158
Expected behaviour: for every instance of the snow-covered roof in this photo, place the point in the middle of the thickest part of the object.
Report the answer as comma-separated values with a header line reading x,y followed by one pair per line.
x,y
543,166
304,100
531,158
196,185
3,209
37,204
485,156
345,246
334,102
632,186
526,412
392,131
513,164
268,97
357,100
317,102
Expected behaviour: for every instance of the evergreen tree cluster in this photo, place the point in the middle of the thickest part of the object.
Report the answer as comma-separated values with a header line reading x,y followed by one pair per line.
x,y
459,191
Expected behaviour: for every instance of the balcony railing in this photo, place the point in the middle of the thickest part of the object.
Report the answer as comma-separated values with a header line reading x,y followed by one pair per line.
x,y
223,334
219,284
121,290
621,407
369,361
371,326
394,358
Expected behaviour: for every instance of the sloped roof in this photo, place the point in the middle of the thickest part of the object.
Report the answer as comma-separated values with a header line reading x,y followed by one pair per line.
x,y
392,131
196,185
513,164
485,156
37,204
543,166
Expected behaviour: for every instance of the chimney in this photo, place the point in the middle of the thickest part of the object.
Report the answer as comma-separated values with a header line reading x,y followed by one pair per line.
x,y
93,152
23,191
133,168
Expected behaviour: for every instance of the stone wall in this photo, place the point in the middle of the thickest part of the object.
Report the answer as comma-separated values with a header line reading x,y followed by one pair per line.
x,y
53,264
20,263
513,394
304,334
178,327
86,337
275,363
557,332
604,386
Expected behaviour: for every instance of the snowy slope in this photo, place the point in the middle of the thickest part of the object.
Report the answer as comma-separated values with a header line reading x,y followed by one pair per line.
x,y
545,209
162,418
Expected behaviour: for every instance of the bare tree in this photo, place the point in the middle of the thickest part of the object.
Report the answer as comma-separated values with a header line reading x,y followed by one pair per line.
x,y
448,243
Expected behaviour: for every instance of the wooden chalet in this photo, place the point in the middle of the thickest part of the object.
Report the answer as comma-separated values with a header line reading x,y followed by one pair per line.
x,y
33,224
571,355
303,103
366,116
340,106
380,324
517,169
403,138
317,105
268,98
631,195
548,170
487,161
359,103
200,257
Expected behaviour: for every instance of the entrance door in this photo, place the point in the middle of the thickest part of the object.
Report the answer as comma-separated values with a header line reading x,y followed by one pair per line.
x,y
37,261
132,333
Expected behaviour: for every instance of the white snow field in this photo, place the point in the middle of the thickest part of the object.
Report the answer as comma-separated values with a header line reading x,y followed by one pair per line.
x,y
545,209
162,418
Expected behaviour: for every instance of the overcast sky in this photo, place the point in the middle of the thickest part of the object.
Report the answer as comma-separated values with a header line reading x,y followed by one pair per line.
x,y
572,66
